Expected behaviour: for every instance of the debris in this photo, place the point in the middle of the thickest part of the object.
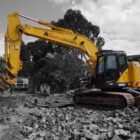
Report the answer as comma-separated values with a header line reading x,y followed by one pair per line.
x,y
35,121
115,137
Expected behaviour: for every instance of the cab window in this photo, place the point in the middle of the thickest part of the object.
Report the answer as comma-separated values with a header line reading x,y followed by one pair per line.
x,y
101,65
122,61
111,62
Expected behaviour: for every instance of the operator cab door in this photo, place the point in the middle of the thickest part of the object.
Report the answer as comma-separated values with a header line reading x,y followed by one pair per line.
x,y
109,68
100,72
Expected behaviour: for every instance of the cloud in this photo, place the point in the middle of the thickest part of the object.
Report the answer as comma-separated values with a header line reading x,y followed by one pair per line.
x,y
60,2
118,21
1,44
131,47
65,2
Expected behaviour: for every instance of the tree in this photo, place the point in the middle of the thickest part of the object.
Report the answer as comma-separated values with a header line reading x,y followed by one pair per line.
x,y
75,21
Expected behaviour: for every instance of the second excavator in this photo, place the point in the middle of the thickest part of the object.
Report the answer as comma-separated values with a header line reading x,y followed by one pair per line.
x,y
117,79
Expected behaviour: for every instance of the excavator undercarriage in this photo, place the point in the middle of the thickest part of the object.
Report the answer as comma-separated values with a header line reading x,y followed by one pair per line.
x,y
108,99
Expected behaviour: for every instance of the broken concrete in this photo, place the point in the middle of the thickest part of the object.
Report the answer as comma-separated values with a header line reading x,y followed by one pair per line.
x,y
38,122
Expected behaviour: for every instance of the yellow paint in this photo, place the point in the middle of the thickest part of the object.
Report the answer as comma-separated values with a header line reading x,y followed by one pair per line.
x,y
131,74
124,77
111,84
134,71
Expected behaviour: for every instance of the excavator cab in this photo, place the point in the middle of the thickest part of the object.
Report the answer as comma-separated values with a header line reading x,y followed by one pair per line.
x,y
110,65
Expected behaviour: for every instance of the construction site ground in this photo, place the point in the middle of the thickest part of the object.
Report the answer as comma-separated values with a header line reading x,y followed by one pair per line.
x,y
26,116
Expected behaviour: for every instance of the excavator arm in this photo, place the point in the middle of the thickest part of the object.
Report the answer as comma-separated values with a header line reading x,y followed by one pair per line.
x,y
13,39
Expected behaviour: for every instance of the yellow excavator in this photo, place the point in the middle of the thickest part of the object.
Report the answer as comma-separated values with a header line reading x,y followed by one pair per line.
x,y
117,78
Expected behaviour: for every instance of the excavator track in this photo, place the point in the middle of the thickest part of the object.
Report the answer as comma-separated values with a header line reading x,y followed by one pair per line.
x,y
105,99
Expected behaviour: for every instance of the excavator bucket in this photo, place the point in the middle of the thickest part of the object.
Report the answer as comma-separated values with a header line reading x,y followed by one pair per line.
x,y
3,85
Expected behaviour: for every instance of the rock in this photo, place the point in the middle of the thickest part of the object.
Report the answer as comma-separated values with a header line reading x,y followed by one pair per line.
x,y
117,114
43,120
66,138
93,127
126,126
84,122
114,120
138,130
20,121
103,130
89,111
2,119
94,118
95,137
108,119
26,131
137,137
26,104
116,138
103,136
88,135
133,128
110,134
136,110
83,138
38,138
120,126
122,133
32,136
41,133
67,117
39,116
76,134
36,125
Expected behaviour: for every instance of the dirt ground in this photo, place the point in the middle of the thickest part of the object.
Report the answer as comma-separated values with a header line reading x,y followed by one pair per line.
x,y
28,117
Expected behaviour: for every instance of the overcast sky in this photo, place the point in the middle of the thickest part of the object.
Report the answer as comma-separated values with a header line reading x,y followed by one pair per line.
x,y
119,20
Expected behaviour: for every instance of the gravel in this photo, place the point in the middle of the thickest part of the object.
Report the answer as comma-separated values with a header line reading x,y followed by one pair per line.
x,y
31,122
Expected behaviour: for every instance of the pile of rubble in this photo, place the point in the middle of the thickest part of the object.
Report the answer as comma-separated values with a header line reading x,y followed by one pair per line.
x,y
82,124
75,123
